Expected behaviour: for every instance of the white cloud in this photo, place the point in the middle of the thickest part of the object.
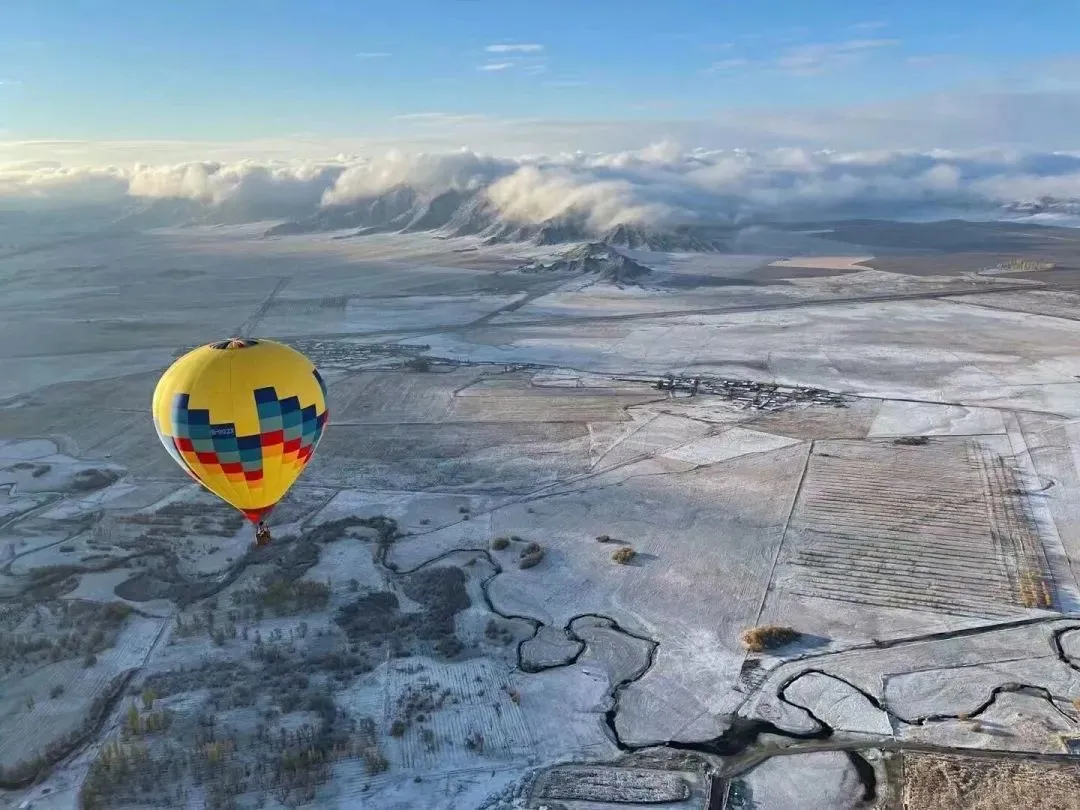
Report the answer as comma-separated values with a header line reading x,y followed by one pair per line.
x,y
373,54
461,170
807,59
729,65
870,25
444,119
496,66
662,184
814,58
528,47
535,194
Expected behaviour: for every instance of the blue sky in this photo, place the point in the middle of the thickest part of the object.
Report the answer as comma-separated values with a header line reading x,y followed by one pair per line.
x,y
248,69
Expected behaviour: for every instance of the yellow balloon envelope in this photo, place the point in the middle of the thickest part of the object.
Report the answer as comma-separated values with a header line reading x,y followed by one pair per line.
x,y
242,417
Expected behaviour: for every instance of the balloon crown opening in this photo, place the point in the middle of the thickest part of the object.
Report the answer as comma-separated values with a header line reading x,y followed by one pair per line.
x,y
234,343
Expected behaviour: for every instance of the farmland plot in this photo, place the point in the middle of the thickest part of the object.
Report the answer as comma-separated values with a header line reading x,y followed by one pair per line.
x,y
484,457
46,705
621,786
397,397
937,782
939,527
487,404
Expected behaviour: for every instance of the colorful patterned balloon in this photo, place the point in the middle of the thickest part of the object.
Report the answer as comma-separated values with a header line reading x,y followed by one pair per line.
x,y
242,417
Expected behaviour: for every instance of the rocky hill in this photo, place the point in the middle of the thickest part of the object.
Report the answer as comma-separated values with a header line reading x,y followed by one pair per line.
x,y
592,259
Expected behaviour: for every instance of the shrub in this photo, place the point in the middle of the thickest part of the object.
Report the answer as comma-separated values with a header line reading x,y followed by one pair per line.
x,y
624,555
374,761
284,597
397,728
116,612
474,741
912,441
605,538
531,559
427,736
56,691
449,646
767,636
499,543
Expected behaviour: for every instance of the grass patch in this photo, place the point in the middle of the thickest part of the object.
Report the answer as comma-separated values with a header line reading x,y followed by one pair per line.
x,y
767,637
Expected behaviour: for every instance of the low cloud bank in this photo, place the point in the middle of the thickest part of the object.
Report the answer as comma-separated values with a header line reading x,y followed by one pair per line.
x,y
658,185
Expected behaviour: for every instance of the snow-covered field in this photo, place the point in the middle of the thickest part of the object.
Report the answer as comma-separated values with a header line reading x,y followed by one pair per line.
x,y
932,580
823,262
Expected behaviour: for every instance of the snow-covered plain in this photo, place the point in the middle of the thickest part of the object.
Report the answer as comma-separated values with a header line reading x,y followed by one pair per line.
x,y
534,420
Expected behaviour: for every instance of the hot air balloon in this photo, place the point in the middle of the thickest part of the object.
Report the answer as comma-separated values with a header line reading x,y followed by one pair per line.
x,y
242,417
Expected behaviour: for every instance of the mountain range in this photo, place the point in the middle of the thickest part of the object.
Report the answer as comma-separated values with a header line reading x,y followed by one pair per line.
x,y
470,213
455,212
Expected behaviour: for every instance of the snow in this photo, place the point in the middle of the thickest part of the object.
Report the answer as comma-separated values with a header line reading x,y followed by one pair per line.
x,y
819,781
928,419
729,444
549,647
98,587
928,691
362,316
77,507
836,703
27,450
931,350
516,735
561,454
24,375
